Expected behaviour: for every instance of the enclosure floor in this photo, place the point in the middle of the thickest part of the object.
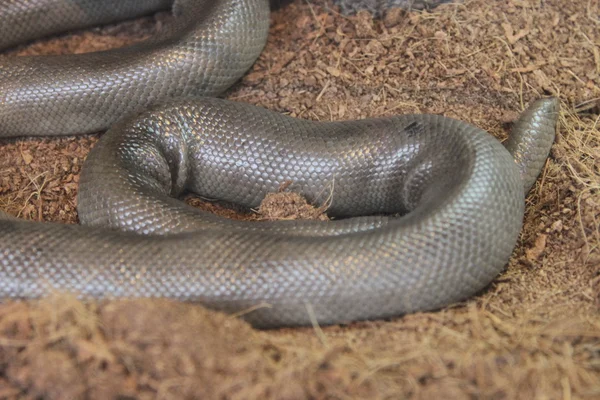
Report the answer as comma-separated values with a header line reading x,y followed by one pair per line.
x,y
534,333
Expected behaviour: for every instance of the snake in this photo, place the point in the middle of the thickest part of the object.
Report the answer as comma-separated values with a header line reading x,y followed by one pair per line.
x,y
426,210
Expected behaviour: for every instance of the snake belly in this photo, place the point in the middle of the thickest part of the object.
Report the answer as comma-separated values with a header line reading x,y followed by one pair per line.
x,y
458,191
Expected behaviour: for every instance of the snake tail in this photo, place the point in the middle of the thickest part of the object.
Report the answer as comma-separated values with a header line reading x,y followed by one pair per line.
x,y
532,137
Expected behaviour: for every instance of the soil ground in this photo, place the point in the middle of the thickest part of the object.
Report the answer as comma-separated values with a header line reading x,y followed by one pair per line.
x,y
533,334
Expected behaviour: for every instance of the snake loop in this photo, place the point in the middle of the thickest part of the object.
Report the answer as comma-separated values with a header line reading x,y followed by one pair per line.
x,y
460,192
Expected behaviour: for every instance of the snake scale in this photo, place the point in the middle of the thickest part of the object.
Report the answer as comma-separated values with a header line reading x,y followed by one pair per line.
x,y
427,209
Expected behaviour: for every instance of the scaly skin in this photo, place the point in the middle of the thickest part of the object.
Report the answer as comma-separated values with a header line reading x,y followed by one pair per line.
x,y
210,45
461,192
459,188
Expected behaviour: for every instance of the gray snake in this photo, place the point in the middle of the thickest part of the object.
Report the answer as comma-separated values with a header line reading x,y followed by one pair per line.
x,y
458,190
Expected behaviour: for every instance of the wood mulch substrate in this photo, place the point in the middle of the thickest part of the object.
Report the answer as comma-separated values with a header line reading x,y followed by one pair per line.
x,y
533,334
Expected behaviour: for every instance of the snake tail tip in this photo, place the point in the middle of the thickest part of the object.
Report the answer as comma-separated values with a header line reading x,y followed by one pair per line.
x,y
532,137
547,106
538,121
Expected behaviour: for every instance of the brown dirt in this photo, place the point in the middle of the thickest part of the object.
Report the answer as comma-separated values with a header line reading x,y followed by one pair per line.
x,y
533,334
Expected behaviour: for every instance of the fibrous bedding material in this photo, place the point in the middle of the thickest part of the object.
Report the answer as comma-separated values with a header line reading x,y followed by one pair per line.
x,y
532,334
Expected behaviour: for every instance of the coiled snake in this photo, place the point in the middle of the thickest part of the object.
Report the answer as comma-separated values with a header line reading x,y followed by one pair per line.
x,y
459,191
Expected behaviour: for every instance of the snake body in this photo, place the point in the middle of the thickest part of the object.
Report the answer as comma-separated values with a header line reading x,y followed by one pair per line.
x,y
208,47
458,190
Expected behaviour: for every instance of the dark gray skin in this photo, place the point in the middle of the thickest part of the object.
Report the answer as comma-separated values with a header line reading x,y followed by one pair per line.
x,y
459,191
206,49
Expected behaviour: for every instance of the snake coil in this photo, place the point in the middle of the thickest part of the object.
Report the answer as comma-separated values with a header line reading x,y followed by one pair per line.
x,y
459,192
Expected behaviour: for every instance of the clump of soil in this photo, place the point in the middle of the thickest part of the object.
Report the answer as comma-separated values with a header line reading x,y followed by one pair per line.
x,y
285,205
533,334
74,350
281,205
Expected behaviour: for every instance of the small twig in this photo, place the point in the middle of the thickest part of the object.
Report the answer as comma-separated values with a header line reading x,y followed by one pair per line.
x,y
315,324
